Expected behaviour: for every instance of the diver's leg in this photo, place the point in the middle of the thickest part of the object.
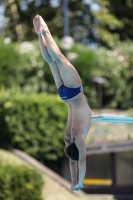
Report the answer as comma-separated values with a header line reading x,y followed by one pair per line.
x,y
68,73
68,139
49,60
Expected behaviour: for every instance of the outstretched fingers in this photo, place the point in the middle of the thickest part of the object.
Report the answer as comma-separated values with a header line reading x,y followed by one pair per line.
x,y
39,24
35,21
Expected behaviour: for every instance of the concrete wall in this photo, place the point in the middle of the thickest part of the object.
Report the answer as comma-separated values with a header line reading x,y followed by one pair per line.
x,y
124,168
99,167
65,169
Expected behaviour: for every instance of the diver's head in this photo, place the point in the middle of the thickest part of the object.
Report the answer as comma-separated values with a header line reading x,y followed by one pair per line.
x,y
72,152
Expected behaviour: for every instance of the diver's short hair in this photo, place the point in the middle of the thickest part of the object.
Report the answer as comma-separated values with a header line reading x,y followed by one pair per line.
x,y
72,152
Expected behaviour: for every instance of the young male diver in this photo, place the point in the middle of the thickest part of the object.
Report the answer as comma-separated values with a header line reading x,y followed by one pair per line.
x,y
70,90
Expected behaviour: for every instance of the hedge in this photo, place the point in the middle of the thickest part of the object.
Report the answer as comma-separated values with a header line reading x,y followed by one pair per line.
x,y
22,65
20,182
33,123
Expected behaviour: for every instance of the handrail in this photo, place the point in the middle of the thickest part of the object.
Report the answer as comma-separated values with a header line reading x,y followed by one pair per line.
x,y
112,119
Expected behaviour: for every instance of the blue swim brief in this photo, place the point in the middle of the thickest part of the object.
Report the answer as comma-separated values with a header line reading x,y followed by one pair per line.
x,y
66,93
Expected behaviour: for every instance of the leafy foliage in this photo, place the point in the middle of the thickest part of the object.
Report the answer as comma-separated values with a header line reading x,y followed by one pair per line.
x,y
26,69
115,66
20,182
103,26
22,65
123,11
34,123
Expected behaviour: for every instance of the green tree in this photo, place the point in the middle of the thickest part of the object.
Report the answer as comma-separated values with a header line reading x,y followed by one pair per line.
x,y
86,25
20,14
123,10
106,25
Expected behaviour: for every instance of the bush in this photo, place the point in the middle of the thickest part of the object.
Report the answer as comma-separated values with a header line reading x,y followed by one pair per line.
x,y
34,123
114,65
22,65
20,182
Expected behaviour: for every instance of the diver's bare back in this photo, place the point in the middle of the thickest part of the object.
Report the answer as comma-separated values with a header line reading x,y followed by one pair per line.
x,y
81,118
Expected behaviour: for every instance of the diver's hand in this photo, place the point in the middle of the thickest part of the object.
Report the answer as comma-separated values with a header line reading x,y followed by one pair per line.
x,y
77,187
39,25
73,186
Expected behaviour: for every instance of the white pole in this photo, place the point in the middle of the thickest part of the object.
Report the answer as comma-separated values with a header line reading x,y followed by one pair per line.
x,y
66,18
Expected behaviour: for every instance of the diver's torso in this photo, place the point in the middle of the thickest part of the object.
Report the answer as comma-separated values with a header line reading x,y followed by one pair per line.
x,y
81,118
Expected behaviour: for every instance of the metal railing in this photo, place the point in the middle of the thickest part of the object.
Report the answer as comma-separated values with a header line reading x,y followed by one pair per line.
x,y
109,132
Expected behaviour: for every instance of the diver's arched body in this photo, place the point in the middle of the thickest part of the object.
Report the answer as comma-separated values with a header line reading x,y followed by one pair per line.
x,y
70,89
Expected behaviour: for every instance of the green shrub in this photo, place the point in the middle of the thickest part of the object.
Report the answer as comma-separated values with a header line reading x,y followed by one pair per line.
x,y
22,65
114,65
20,182
34,123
